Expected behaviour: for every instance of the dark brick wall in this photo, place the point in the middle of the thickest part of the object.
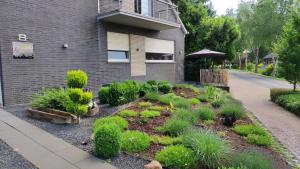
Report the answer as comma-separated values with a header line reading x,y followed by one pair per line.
x,y
49,25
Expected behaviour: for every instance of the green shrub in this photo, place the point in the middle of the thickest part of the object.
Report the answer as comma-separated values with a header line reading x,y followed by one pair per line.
x,y
75,94
152,96
103,95
86,98
232,112
210,149
156,108
261,140
290,102
145,115
51,98
251,67
205,113
246,129
218,100
132,90
107,140
275,92
252,160
76,79
194,101
119,121
145,104
181,103
165,140
185,115
128,113
203,98
210,91
135,141
76,108
268,70
152,82
165,87
176,156
175,127
147,88
240,167
165,99
122,93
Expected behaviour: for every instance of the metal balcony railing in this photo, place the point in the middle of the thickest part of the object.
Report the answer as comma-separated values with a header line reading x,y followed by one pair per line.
x,y
158,9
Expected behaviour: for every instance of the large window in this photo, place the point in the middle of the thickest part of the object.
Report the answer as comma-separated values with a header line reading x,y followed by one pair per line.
x,y
159,50
117,47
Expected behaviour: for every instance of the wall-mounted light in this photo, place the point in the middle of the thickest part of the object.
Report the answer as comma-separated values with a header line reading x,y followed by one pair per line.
x,y
65,46
180,52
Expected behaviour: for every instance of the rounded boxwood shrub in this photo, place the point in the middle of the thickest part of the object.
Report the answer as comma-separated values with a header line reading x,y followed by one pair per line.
x,y
152,82
252,160
76,109
75,94
147,88
107,140
176,156
86,98
128,113
210,149
76,79
165,87
205,113
119,121
103,95
135,141
175,127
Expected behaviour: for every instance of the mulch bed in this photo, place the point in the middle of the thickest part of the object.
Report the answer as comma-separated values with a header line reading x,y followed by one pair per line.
x,y
237,142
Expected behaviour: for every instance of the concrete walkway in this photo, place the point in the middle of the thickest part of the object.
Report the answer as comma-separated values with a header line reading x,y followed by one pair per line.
x,y
254,92
43,149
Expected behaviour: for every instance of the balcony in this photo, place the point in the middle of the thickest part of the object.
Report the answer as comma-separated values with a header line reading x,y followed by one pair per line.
x,y
148,14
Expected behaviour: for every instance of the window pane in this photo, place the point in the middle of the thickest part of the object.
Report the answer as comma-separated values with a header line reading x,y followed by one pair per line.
x,y
159,56
117,55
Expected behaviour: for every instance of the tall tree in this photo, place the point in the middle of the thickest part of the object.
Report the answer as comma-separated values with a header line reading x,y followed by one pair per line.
x,y
261,23
288,48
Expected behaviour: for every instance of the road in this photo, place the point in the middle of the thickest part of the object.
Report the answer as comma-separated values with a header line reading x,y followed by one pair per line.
x,y
254,92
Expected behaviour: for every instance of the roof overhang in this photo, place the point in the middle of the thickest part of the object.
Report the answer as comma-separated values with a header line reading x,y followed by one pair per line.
x,y
137,20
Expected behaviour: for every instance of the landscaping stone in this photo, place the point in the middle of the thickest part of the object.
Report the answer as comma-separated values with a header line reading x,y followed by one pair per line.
x,y
153,165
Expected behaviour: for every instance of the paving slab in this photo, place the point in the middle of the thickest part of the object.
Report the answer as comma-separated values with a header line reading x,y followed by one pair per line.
x,y
254,92
43,149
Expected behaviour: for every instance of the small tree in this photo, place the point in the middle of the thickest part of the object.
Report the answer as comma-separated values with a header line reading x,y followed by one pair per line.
x,y
288,49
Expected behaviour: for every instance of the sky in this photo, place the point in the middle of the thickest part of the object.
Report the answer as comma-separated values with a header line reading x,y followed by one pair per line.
x,y
221,5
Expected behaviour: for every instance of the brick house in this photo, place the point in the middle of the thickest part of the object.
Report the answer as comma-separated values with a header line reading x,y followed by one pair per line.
x,y
112,40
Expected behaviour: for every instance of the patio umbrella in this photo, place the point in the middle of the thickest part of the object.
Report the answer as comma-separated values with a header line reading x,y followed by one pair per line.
x,y
206,53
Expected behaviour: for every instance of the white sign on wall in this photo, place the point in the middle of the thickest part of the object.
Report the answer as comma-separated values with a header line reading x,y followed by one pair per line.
x,y
22,50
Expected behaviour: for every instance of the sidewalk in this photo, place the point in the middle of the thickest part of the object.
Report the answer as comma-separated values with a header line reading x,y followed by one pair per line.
x,y
43,149
255,95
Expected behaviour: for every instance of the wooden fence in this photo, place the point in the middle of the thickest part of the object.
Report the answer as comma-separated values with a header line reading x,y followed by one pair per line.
x,y
214,76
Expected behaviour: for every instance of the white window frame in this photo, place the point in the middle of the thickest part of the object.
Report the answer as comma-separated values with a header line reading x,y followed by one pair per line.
x,y
127,60
160,61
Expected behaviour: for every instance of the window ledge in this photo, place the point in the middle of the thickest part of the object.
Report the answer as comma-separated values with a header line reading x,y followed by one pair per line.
x,y
160,61
118,61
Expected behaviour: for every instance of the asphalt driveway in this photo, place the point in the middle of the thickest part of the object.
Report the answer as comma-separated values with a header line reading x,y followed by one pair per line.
x,y
254,92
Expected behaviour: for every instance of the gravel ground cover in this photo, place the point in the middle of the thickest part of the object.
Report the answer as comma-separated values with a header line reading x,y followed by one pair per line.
x,y
79,135
10,159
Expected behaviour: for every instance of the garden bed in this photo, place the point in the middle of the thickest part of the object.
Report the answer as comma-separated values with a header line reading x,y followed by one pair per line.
x,y
237,142
146,120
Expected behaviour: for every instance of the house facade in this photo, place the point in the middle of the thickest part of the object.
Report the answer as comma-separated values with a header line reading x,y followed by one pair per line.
x,y
112,40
